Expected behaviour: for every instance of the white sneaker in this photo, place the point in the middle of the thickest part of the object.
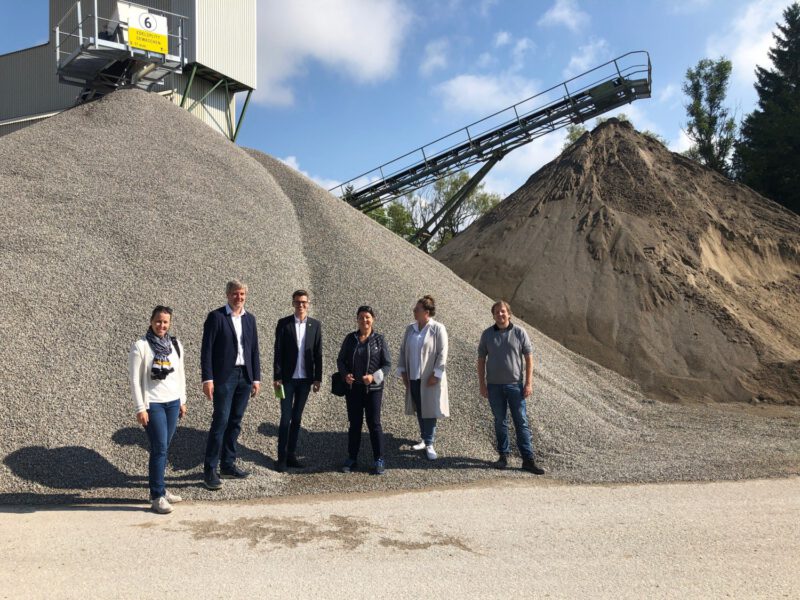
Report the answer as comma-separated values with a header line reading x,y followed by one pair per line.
x,y
161,506
430,453
172,498
420,446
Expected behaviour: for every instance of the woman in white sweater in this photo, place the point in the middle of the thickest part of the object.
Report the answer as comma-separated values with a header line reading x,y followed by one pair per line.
x,y
158,387
422,365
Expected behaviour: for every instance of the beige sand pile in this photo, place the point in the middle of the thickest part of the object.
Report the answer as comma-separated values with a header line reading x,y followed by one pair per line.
x,y
651,265
113,207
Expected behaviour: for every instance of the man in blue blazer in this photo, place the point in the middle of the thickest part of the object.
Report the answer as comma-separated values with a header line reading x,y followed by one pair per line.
x,y
231,373
297,367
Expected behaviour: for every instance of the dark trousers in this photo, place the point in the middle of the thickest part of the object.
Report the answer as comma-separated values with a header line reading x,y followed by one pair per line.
x,y
161,425
361,400
230,402
296,394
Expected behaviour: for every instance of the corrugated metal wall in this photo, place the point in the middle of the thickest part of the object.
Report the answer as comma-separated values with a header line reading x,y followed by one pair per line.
x,y
226,38
212,111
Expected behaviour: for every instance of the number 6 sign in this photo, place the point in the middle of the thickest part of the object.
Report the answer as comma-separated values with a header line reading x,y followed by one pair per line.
x,y
147,31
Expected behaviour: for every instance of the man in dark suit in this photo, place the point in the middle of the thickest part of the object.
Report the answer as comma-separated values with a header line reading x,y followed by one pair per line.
x,y
231,372
298,368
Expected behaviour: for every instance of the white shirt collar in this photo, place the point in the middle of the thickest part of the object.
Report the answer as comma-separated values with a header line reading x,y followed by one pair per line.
x,y
229,310
416,325
299,322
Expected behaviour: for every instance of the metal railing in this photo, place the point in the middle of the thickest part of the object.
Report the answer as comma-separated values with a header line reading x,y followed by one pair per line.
x,y
93,32
603,88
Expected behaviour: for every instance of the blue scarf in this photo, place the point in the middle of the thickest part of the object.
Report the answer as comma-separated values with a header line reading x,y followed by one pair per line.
x,y
162,348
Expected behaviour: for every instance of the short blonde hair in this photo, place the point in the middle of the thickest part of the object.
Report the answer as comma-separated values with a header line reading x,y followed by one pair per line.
x,y
233,285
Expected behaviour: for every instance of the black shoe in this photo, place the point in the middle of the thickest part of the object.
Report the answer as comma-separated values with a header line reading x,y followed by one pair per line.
x,y
234,472
529,465
211,480
502,462
292,461
280,466
349,466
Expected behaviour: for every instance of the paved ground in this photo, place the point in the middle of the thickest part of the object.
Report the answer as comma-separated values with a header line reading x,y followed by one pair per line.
x,y
513,539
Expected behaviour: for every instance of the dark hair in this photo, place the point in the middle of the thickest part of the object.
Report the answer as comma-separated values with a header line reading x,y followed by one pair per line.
x,y
299,293
428,303
160,309
365,308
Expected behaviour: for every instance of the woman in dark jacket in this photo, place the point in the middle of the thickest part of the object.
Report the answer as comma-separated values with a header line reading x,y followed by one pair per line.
x,y
363,363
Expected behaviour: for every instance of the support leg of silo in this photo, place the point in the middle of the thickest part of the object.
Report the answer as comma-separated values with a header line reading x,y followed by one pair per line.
x,y
188,85
228,111
241,116
206,95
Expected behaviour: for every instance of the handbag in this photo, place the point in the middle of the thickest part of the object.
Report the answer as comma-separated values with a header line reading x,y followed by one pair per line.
x,y
338,386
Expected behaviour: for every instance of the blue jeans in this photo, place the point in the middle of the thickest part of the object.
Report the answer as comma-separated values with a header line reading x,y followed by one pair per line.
x,y
296,393
230,402
501,398
427,426
161,425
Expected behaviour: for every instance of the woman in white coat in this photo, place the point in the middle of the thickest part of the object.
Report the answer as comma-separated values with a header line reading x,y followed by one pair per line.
x,y
422,365
158,387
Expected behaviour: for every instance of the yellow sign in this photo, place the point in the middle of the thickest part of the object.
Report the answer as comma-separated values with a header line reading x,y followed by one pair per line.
x,y
147,31
147,40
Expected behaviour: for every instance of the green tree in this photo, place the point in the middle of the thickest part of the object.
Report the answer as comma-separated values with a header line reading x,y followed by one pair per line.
x,y
767,155
710,127
396,217
574,133
425,204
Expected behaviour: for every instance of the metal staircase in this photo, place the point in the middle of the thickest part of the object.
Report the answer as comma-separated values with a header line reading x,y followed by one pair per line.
x,y
599,90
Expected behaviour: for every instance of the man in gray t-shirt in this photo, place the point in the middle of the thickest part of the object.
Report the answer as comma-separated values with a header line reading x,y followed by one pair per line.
x,y
505,373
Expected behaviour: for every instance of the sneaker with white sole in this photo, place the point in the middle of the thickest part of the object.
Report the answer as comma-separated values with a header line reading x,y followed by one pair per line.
x,y
420,446
161,506
172,498
430,453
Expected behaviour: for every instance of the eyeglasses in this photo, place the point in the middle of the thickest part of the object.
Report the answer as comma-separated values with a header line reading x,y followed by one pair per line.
x,y
300,302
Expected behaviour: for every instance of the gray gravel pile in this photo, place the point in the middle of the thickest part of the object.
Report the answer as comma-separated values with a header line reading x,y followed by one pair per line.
x,y
113,207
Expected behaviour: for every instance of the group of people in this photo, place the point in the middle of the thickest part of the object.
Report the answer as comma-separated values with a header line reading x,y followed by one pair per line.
x,y
231,375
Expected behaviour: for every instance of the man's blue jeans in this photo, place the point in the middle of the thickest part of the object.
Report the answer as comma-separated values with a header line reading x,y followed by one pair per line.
x,y
503,397
427,426
161,425
230,402
296,394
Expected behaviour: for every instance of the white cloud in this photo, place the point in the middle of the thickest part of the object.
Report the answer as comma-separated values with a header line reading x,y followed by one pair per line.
x,y
361,38
483,94
747,38
566,13
681,142
521,48
486,6
485,60
668,93
502,38
292,162
515,169
435,57
588,56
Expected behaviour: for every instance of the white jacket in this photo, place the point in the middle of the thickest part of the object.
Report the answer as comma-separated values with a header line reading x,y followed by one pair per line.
x,y
140,360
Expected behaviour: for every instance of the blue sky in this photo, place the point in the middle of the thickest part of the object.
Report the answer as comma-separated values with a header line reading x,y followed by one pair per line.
x,y
345,85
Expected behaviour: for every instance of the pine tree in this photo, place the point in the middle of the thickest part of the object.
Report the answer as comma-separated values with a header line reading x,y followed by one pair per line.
x,y
768,151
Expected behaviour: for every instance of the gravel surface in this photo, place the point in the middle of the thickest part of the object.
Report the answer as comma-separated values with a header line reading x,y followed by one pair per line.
x,y
113,207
